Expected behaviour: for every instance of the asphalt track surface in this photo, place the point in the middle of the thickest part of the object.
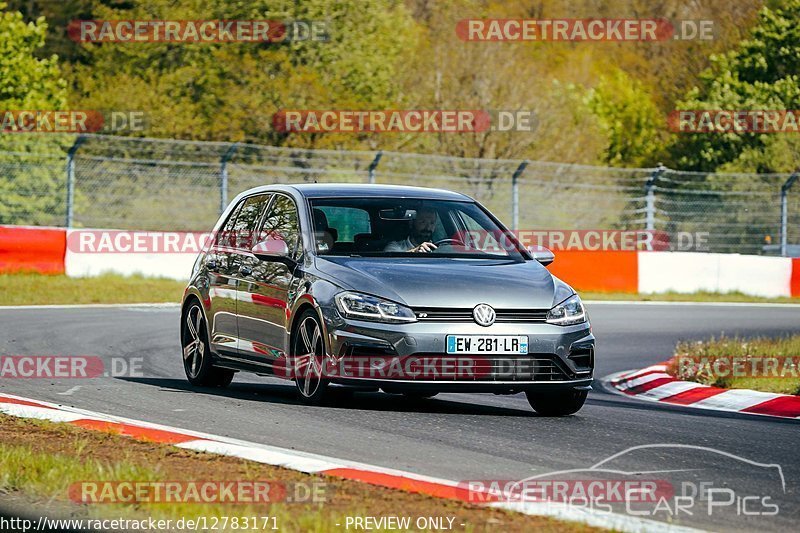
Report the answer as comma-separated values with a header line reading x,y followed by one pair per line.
x,y
458,436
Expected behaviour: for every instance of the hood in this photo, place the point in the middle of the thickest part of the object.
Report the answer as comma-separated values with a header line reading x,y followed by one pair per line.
x,y
444,282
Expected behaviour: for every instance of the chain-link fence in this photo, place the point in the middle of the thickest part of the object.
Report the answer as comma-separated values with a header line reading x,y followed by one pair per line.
x,y
94,181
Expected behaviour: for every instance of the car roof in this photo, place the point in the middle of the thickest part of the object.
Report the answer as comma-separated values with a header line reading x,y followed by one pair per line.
x,y
343,190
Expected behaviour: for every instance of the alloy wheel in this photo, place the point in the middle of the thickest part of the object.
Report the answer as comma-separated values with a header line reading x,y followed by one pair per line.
x,y
309,357
194,347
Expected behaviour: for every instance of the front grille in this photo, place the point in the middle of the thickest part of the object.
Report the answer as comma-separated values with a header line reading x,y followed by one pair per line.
x,y
466,368
447,314
525,368
583,358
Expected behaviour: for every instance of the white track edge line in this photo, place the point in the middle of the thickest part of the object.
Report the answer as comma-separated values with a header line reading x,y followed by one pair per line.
x,y
592,517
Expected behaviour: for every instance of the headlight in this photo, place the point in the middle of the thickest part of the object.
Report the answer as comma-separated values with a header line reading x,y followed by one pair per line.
x,y
568,312
365,307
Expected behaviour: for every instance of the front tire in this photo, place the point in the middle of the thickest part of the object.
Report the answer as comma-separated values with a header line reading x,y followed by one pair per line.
x,y
560,403
308,359
197,353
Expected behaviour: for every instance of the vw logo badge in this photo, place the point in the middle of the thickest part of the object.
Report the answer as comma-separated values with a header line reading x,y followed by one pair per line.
x,y
483,314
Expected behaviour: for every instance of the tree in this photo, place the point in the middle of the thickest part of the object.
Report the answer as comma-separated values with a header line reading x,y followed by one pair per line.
x,y
28,82
230,91
761,73
629,117
498,76
58,15
30,185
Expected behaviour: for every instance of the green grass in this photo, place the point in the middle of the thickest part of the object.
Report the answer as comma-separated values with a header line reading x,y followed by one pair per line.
x,y
44,477
681,297
39,289
761,363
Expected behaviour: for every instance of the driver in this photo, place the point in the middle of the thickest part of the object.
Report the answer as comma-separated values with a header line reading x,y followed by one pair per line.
x,y
421,231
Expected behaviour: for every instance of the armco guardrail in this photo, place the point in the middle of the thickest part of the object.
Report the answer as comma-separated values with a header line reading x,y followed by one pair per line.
x,y
169,185
605,271
32,249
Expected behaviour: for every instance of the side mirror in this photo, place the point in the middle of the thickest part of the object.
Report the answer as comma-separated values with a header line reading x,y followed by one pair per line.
x,y
272,248
544,255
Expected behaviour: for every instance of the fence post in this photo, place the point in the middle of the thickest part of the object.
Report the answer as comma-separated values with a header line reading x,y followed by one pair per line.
x,y
223,177
785,211
515,194
650,198
374,165
71,179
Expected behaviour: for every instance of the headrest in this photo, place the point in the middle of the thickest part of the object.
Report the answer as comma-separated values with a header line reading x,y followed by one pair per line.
x,y
320,220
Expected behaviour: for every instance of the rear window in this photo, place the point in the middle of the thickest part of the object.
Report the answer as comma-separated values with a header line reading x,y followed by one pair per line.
x,y
347,221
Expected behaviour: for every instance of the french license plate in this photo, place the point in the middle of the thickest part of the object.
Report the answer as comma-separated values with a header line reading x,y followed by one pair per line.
x,y
487,344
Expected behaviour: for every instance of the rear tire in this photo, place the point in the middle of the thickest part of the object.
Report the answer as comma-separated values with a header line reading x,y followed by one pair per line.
x,y
197,353
560,403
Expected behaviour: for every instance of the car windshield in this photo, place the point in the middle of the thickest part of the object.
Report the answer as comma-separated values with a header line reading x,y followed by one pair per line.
x,y
409,227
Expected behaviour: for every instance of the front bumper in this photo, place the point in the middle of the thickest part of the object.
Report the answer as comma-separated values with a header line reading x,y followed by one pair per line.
x,y
400,357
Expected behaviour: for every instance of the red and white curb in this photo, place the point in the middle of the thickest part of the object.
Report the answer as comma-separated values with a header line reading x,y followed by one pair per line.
x,y
654,384
316,464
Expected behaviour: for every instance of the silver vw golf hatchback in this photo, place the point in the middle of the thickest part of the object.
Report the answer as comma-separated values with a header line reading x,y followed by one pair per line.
x,y
408,290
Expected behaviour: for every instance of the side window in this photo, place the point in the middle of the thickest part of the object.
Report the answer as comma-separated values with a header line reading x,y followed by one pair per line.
x,y
282,223
439,232
470,223
246,221
477,237
225,237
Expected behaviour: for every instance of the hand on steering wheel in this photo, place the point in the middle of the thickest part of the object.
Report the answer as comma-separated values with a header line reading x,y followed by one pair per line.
x,y
425,247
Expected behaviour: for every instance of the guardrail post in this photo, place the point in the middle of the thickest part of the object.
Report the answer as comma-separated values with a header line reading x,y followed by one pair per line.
x,y
71,179
374,165
223,177
515,194
650,197
785,211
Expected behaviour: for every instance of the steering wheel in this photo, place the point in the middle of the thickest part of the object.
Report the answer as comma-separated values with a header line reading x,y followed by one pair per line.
x,y
449,242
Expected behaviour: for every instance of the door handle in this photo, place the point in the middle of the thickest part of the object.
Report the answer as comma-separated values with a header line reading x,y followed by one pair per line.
x,y
245,270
